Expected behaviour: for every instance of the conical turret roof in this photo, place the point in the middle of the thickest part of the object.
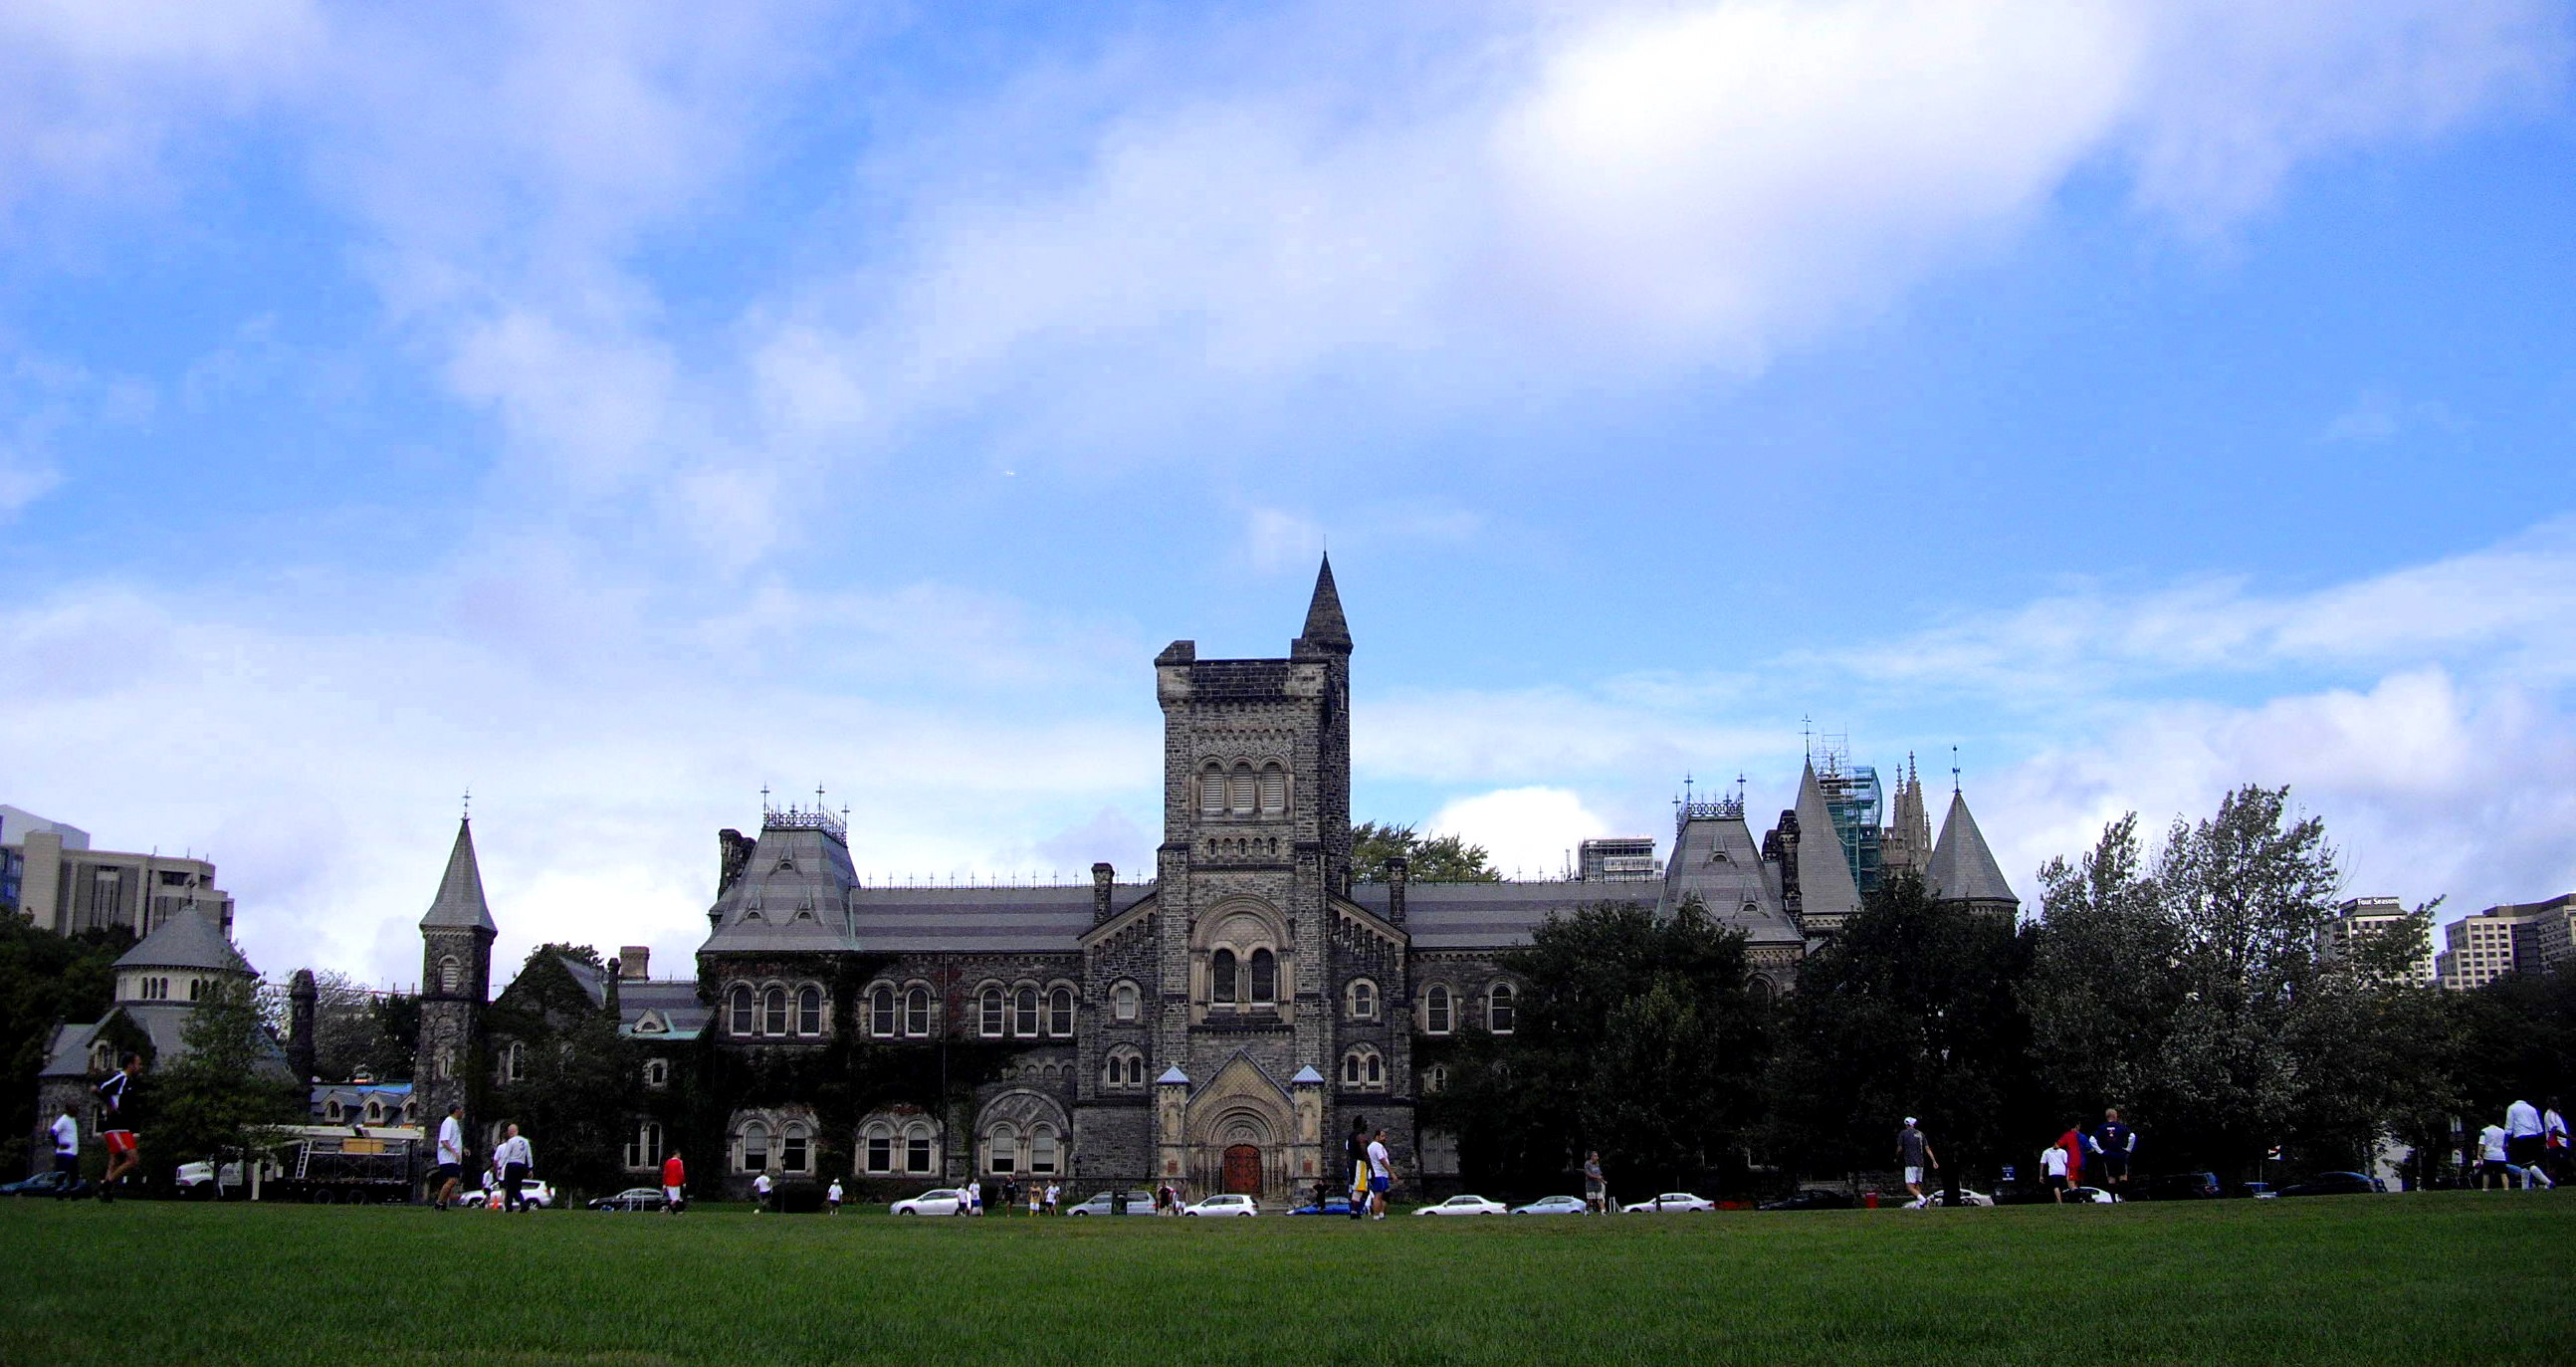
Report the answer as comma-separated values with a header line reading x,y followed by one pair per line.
x,y
1825,885
460,893
189,939
1963,869
1325,625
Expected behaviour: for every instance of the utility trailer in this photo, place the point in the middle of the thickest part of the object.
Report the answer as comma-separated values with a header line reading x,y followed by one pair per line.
x,y
347,1165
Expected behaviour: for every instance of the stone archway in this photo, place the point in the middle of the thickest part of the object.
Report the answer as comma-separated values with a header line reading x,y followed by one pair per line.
x,y
1239,1131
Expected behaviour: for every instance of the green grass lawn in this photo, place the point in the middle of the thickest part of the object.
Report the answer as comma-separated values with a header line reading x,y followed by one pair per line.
x,y
2470,1278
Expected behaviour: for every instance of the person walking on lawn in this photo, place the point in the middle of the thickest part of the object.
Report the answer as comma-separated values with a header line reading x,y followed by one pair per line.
x,y
1914,1154
66,1151
760,1193
2052,1160
2525,1143
1596,1188
1381,1175
451,1156
2113,1145
675,1182
832,1198
517,1161
1355,1163
122,1145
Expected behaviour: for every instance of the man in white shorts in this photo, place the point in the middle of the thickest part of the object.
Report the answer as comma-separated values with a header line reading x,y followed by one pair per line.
x,y
1914,1154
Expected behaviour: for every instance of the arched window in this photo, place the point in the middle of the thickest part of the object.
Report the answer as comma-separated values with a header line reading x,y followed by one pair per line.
x,y
451,975
1060,1012
916,1012
809,1011
1002,1148
755,1147
1436,1010
1242,791
1212,792
881,1011
331,1111
741,1003
1274,790
1364,1070
514,1062
793,1151
375,1111
1042,1149
1124,1001
1501,1010
1024,1019
917,1153
1359,1000
876,1148
1762,990
644,1147
992,1013
1436,1078
773,1011
657,1072
1221,978
1126,1070
1265,978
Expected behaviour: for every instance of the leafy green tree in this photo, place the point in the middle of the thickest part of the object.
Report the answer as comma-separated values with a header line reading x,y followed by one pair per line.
x,y
1638,1037
45,979
578,1088
1912,1010
1428,859
227,1093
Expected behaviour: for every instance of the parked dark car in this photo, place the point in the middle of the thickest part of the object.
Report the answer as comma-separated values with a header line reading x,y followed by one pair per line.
x,y
1813,1198
633,1198
49,1184
1332,1205
2335,1184
2185,1186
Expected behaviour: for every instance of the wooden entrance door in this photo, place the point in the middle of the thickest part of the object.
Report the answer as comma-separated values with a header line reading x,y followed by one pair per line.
x,y
1243,1169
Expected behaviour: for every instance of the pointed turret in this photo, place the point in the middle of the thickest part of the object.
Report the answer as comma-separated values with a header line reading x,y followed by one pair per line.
x,y
1827,893
1325,627
1963,869
459,904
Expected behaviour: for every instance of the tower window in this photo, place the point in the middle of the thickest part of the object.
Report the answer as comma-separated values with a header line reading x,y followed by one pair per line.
x,y
451,974
1125,1001
1221,978
773,1011
1359,1000
1265,978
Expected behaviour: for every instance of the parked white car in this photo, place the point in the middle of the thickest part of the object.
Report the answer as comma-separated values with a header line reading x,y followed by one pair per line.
x,y
943,1201
1939,1197
1230,1203
1671,1200
1465,1205
531,1193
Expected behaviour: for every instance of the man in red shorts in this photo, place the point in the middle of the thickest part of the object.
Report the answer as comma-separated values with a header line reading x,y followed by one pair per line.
x,y
122,1155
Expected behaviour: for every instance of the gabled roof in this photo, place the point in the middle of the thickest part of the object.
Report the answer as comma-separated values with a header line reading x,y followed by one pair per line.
x,y
189,939
460,892
1325,625
1714,859
1825,886
1963,869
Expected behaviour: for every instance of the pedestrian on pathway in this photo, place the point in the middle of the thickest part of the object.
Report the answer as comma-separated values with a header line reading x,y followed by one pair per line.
x,y
122,1146
66,1151
832,1198
2112,1146
1381,1175
675,1183
1596,1188
451,1156
760,1187
517,1161
1914,1154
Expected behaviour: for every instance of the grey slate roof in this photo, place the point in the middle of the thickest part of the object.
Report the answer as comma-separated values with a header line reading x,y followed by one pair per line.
x,y
672,1003
189,939
1825,886
67,1053
1477,915
460,893
1963,869
793,895
1715,858
1325,625
164,1023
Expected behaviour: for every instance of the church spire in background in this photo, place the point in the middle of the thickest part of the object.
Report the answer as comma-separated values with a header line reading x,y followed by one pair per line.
x,y
1325,626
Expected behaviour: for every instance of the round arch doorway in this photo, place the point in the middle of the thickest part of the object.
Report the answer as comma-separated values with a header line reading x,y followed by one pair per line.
x,y
1242,1172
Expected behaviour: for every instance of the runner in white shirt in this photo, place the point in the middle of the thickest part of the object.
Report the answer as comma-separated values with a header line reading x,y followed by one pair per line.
x,y
2496,1166
760,1194
451,1157
2053,1159
1381,1175
832,1198
67,1150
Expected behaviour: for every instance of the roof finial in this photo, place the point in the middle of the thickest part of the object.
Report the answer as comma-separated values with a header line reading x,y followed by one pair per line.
x,y
1807,732
468,813
1954,771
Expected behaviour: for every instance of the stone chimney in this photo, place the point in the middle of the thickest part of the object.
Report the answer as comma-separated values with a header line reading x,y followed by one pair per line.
x,y
1397,866
300,996
633,961
1103,877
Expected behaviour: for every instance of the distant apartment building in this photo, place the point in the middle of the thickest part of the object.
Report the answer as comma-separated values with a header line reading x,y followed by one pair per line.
x,y
53,878
2527,937
2362,917
1620,859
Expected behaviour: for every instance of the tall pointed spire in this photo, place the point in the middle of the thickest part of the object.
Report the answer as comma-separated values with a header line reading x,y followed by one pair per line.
x,y
460,892
1325,626
1963,869
1827,892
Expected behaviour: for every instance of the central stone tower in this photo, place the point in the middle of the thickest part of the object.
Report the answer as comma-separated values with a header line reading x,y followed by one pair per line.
x,y
455,981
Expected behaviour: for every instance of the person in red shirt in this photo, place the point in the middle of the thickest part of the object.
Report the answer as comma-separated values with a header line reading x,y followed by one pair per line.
x,y
675,1179
2073,1142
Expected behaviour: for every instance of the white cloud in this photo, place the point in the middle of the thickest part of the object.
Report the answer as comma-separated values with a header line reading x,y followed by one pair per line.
x,y
1530,831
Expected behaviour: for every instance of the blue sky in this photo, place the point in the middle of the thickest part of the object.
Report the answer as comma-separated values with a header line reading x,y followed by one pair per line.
x,y
616,408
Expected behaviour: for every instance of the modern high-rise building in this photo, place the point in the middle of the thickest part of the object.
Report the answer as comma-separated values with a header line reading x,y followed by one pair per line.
x,y
63,885
1619,859
2363,917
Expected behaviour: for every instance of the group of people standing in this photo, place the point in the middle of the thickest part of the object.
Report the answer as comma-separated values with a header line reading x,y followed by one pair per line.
x,y
505,1178
2106,1148
1372,1170
2528,1150
124,1146
1041,1198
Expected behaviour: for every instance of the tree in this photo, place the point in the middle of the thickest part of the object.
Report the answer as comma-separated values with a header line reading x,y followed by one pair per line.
x,y
1638,1037
2105,981
227,1093
1912,1010
1428,859
576,1090
45,979
348,1027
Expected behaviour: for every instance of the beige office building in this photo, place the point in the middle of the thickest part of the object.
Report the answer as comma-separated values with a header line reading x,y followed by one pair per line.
x,y
2367,916
63,885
